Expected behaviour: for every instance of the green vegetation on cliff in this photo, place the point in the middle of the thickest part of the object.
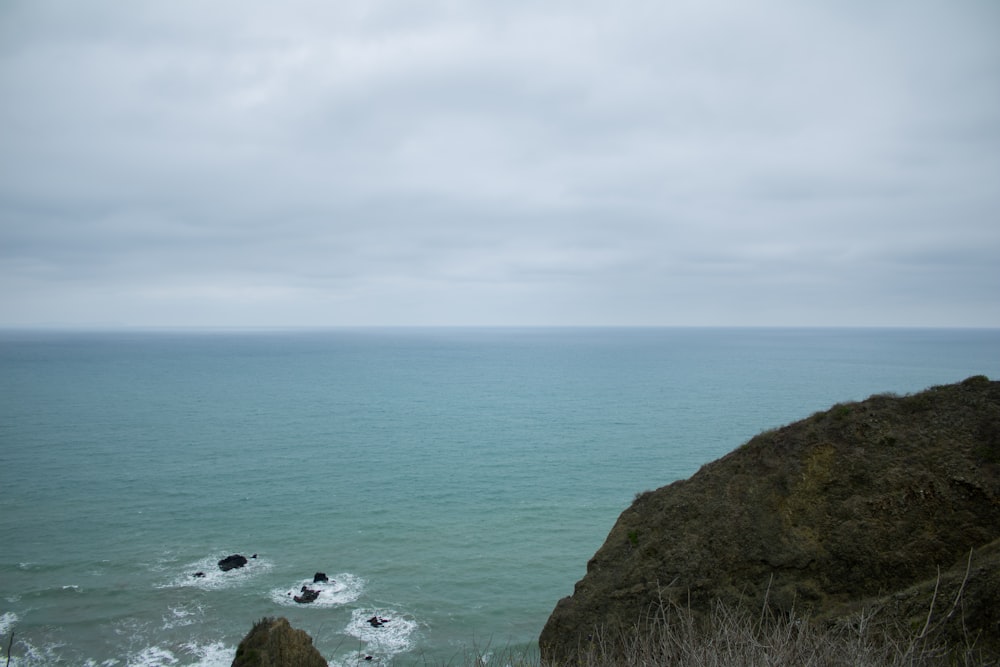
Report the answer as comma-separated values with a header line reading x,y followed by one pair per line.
x,y
275,643
886,509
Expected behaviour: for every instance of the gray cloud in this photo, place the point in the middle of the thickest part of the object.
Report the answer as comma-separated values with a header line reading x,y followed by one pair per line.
x,y
485,163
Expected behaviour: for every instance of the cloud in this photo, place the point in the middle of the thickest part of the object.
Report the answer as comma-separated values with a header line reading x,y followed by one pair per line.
x,y
577,163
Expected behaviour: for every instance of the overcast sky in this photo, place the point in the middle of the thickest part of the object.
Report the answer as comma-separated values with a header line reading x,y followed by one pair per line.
x,y
369,162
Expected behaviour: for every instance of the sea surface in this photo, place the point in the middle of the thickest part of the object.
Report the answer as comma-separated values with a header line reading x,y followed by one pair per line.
x,y
452,481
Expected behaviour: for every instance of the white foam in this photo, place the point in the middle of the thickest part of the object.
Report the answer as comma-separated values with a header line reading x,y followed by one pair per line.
x,y
179,617
212,578
392,637
153,656
342,589
215,654
33,655
7,621
26,654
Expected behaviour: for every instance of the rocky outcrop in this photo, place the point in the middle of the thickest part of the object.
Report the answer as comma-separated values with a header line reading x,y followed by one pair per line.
x,y
232,562
891,504
273,642
306,595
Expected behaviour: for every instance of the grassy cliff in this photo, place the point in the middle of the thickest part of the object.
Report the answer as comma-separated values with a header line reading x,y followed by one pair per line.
x,y
884,509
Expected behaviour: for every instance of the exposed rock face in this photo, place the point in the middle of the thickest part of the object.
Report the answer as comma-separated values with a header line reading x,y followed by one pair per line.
x,y
232,562
306,595
274,643
857,507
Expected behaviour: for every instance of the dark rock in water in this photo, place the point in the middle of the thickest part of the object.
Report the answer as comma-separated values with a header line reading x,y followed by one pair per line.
x,y
858,508
377,622
198,575
232,562
320,577
273,642
307,595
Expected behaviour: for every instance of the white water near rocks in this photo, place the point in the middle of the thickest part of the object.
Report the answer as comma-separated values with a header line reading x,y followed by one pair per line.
x,y
452,481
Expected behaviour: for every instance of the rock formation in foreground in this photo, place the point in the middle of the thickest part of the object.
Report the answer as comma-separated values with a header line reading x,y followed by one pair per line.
x,y
891,505
273,642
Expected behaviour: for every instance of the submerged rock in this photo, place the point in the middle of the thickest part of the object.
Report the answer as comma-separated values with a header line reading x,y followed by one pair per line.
x,y
273,642
320,577
858,507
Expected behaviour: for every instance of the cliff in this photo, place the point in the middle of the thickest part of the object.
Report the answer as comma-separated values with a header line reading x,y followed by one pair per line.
x,y
890,505
275,643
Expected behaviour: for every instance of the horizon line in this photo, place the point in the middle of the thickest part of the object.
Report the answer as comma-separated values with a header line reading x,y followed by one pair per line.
x,y
249,328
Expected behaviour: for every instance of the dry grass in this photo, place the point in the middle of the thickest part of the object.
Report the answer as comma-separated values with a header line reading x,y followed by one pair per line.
x,y
741,637
728,636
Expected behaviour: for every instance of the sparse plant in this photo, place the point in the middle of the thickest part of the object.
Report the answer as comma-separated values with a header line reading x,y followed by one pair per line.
x,y
735,635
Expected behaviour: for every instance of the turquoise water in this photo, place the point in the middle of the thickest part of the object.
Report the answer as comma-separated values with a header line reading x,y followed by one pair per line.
x,y
455,481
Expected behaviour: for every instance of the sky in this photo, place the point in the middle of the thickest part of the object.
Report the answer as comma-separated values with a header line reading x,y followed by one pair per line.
x,y
387,162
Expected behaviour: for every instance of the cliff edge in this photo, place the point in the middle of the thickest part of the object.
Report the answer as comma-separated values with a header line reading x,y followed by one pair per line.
x,y
890,505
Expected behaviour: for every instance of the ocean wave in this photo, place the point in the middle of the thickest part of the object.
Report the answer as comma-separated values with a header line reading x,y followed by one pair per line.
x,y
215,654
29,655
7,621
43,652
341,589
182,616
152,656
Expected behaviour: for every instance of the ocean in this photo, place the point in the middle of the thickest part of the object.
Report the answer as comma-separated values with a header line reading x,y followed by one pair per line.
x,y
452,481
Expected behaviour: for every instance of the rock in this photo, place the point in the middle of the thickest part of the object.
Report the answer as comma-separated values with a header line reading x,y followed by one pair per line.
x,y
858,507
307,595
198,575
274,643
232,562
377,622
320,577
